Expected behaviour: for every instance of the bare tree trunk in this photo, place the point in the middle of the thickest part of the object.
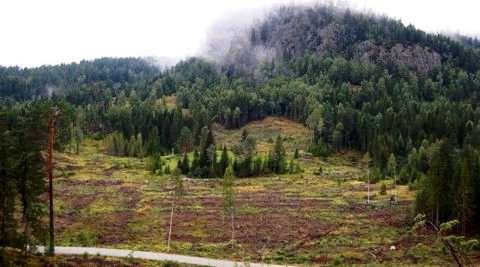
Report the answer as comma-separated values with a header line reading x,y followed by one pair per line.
x,y
171,224
51,142
27,236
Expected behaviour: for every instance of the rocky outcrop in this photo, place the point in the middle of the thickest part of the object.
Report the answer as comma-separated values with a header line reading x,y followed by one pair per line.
x,y
415,57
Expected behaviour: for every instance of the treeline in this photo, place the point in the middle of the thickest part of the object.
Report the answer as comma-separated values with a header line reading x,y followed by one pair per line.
x,y
354,105
78,82
449,184
23,142
135,127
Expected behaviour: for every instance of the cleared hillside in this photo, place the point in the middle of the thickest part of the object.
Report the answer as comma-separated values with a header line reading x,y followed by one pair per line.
x,y
295,134
306,218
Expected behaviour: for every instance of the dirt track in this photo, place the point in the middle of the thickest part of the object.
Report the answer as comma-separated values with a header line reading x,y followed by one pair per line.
x,y
144,255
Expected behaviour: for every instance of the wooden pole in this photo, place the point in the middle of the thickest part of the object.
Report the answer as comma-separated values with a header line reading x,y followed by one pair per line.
x,y
171,224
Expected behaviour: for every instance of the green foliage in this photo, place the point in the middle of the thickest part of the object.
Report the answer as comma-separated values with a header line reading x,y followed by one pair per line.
x,y
278,157
184,164
23,141
228,192
296,155
166,170
178,187
458,247
204,165
185,141
155,164
224,162
392,165
383,189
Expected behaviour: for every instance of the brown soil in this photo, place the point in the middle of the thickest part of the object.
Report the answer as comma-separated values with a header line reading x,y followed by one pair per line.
x,y
275,228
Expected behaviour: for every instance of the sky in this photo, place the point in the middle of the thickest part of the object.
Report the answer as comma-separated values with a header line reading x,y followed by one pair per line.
x,y
35,33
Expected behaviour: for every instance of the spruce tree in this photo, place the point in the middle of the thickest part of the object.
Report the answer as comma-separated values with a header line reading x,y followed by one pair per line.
x,y
257,166
8,193
392,170
139,147
224,162
184,164
212,172
441,171
30,135
464,197
185,142
278,156
195,168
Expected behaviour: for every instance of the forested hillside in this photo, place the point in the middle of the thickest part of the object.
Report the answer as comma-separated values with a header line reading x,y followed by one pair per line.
x,y
406,99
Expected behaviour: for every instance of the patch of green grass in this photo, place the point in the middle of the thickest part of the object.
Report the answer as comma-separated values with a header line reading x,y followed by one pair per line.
x,y
79,237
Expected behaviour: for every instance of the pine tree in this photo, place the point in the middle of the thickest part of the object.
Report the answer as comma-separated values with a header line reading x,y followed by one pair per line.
x,y
8,193
224,162
278,156
269,163
246,169
212,172
184,141
184,164
155,164
441,171
206,155
204,132
30,135
257,166
139,147
392,170
337,136
464,196
153,143
195,168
